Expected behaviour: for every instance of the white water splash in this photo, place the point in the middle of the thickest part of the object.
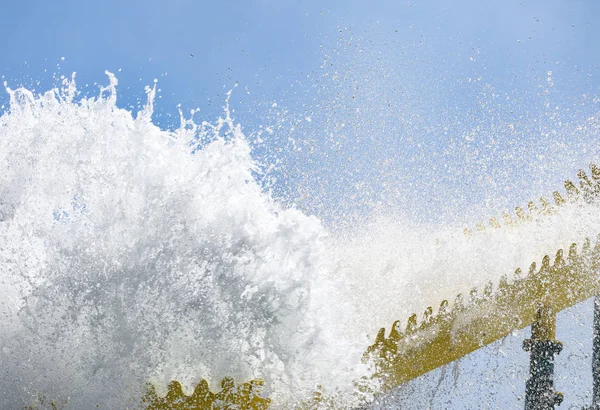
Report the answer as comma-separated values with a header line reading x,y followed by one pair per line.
x,y
412,267
131,254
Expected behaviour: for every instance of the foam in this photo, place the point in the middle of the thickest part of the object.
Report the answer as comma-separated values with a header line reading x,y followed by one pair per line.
x,y
131,254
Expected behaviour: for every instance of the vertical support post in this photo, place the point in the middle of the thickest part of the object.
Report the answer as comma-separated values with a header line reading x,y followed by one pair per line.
x,y
539,390
596,356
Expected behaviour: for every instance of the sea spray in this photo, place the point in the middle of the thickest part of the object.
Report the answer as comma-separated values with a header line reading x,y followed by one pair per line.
x,y
131,254
393,268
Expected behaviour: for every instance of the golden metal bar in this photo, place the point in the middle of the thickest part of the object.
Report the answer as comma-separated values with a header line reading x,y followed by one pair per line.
x,y
246,396
456,332
453,333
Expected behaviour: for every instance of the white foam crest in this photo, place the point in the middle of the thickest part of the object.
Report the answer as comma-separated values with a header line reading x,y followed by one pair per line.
x,y
131,254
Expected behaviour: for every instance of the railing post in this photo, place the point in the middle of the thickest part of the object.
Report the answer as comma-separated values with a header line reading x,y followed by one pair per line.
x,y
539,391
596,357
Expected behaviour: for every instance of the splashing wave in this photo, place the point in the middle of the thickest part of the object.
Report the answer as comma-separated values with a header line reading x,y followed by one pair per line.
x,y
132,254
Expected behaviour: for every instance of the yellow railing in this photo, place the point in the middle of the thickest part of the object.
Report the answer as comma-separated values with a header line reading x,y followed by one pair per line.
x,y
246,396
489,314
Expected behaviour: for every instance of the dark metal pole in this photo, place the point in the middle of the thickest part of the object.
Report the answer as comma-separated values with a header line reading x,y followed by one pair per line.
x,y
596,357
539,391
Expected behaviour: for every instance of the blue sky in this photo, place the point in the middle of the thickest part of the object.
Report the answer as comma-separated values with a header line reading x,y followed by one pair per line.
x,y
409,102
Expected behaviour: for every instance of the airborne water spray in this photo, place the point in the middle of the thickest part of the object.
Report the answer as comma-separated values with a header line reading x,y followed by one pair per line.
x,y
130,254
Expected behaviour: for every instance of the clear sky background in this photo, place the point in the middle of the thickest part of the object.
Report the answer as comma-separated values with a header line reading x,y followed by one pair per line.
x,y
379,103
434,111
